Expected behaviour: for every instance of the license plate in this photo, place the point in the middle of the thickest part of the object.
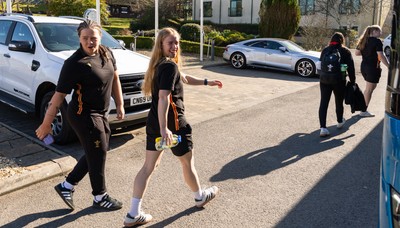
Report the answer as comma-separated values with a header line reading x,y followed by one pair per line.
x,y
139,99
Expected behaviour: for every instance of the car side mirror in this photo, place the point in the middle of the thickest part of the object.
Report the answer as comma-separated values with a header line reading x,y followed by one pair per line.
x,y
283,49
21,46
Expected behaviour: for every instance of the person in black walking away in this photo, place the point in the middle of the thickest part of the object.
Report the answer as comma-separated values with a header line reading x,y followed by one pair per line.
x,y
370,47
334,80
164,82
91,72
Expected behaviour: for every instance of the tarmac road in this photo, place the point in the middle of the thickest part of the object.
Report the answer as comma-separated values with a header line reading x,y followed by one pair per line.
x,y
259,142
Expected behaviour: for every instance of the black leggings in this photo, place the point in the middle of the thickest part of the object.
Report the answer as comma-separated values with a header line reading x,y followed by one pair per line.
x,y
326,91
93,132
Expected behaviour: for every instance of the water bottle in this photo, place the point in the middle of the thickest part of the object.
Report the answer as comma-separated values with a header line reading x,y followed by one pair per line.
x,y
161,144
49,139
343,69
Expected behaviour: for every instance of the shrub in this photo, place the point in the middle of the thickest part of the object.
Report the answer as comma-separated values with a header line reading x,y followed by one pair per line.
x,y
190,32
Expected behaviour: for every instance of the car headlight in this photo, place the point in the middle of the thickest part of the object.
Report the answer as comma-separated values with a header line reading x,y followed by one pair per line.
x,y
395,203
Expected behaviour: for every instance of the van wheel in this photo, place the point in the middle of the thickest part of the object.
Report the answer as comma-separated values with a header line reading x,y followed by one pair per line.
x,y
62,131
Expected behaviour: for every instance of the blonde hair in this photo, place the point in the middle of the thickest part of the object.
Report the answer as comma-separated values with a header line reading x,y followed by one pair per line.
x,y
366,34
157,55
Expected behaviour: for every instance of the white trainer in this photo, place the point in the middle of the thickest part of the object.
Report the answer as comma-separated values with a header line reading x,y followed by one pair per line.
x,y
340,125
140,219
324,132
366,114
208,195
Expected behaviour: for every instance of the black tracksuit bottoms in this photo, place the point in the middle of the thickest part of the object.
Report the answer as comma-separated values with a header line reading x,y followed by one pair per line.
x,y
326,92
93,132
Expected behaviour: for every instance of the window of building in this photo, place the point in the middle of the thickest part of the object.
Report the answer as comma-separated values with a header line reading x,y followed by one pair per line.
x,y
207,6
307,7
235,8
349,6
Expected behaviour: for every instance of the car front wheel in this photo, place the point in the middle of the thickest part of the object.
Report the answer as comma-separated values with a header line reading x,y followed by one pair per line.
x,y
305,68
238,60
62,131
387,51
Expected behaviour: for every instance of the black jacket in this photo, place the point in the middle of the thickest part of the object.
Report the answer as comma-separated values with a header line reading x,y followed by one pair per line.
x,y
354,97
345,58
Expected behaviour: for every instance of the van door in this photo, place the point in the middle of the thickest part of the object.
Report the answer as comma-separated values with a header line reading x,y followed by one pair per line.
x,y
18,72
4,28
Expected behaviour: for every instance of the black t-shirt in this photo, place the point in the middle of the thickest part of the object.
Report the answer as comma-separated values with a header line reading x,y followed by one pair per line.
x,y
167,77
91,80
369,55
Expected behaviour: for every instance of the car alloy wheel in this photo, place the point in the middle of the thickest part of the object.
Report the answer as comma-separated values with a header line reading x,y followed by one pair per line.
x,y
387,51
305,68
238,60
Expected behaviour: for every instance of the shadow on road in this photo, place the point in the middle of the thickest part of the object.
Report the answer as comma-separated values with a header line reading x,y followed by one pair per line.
x,y
338,200
289,151
170,220
65,215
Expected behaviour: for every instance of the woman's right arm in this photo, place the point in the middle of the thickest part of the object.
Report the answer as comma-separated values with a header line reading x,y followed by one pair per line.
x,y
54,105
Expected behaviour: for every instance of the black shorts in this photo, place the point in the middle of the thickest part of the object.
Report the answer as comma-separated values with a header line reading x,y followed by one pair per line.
x,y
371,74
182,148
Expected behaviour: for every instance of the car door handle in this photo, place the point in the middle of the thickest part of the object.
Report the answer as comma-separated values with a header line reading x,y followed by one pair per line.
x,y
35,65
7,55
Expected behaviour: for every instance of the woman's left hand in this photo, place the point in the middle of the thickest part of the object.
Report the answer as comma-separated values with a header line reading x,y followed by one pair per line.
x,y
215,83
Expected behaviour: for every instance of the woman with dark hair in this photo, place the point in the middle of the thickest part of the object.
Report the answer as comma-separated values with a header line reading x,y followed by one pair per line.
x,y
338,87
92,73
370,47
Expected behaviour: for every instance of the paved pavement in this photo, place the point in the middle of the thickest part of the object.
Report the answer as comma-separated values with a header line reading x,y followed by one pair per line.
x,y
37,161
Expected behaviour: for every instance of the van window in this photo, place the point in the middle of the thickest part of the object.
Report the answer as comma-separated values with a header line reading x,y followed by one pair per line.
x,y
22,33
4,28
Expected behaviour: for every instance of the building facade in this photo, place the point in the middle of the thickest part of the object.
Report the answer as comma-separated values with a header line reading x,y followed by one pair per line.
x,y
344,14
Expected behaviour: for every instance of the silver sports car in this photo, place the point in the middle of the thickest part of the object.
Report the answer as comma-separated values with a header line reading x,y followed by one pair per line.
x,y
272,53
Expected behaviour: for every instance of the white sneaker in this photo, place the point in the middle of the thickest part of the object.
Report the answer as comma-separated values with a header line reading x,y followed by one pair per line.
x,y
140,219
324,132
208,195
366,114
340,125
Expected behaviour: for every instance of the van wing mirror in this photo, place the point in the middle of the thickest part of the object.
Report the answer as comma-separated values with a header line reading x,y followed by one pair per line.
x,y
22,46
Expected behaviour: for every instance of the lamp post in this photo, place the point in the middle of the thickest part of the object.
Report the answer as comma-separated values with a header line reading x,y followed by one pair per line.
x,y
201,31
9,6
156,18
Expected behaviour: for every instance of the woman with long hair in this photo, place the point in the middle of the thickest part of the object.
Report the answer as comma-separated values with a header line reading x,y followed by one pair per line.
x,y
164,82
338,86
370,47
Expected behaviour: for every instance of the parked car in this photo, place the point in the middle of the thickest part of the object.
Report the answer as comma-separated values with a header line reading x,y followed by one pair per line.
x,y
386,45
272,53
32,52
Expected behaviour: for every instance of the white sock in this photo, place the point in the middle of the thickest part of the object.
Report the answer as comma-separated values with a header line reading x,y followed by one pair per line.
x,y
98,198
136,204
198,195
67,185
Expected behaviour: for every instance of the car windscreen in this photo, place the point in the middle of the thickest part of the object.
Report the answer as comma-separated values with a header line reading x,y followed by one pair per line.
x,y
292,46
63,37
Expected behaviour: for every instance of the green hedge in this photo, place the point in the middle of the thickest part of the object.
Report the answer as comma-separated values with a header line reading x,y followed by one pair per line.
x,y
186,46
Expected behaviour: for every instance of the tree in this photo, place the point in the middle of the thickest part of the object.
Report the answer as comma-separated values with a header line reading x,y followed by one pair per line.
x,y
76,8
279,18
